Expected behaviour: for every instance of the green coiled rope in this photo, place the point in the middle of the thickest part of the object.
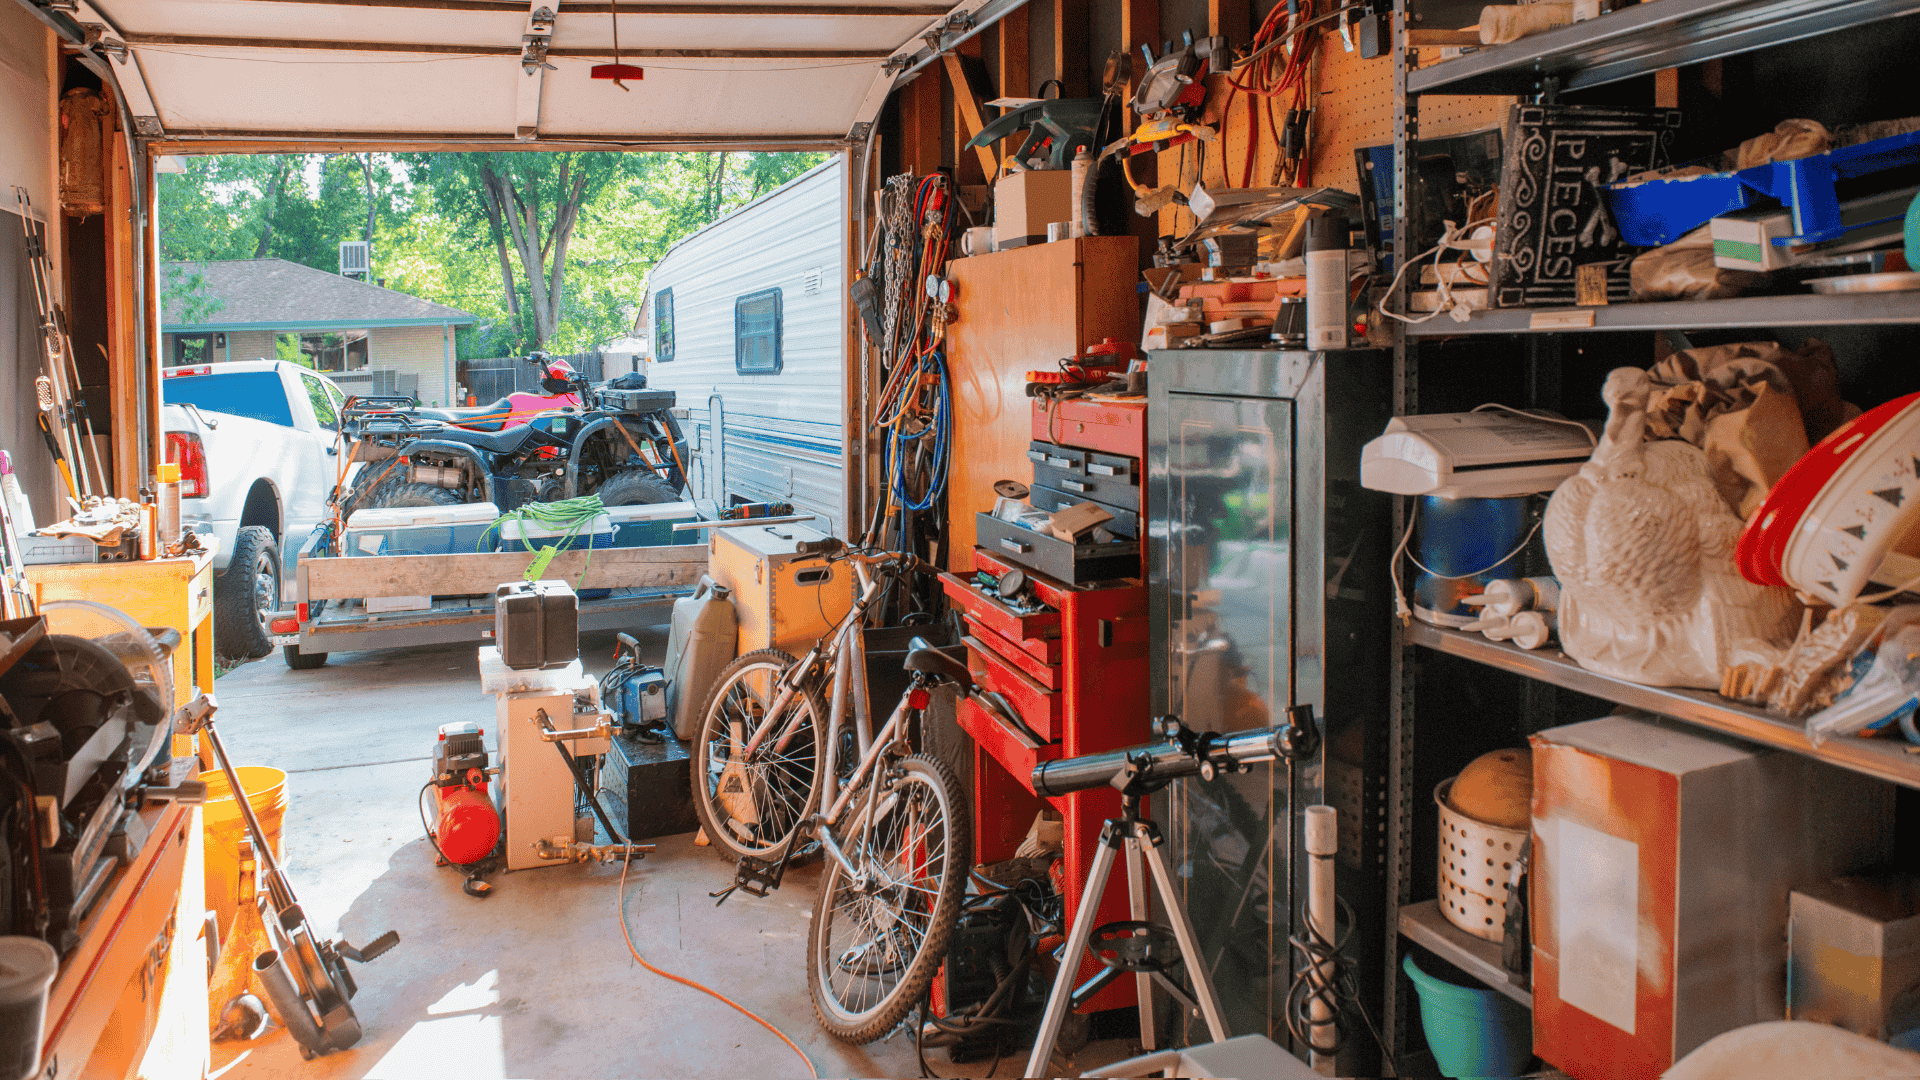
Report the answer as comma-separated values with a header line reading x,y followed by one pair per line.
x,y
568,515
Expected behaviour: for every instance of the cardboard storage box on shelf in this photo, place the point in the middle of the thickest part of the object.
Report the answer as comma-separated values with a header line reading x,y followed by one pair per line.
x,y
1025,203
1663,858
1855,944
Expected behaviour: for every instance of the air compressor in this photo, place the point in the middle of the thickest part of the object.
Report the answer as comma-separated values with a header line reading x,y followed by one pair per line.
x,y
466,824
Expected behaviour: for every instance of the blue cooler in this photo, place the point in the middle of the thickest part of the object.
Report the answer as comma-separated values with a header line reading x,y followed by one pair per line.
x,y
419,530
651,524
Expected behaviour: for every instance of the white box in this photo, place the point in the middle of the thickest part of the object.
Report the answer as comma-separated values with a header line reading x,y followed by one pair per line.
x,y
1744,240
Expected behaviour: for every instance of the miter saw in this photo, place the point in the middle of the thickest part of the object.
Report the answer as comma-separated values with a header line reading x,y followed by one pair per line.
x,y
1057,129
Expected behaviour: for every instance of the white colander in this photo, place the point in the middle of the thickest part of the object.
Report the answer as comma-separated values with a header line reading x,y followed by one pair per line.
x,y
1476,864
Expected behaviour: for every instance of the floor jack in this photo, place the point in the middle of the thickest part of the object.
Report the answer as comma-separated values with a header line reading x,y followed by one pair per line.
x,y
306,978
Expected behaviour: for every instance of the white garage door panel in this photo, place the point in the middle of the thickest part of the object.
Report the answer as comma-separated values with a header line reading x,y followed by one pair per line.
x,y
804,99
278,90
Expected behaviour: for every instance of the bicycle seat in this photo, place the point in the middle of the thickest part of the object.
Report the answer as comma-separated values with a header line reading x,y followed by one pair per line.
x,y
923,657
494,442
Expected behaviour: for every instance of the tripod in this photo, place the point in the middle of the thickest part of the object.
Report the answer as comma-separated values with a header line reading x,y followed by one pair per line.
x,y
1135,945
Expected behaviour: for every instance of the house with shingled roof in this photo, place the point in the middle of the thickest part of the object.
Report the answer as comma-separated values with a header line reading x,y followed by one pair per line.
x,y
368,338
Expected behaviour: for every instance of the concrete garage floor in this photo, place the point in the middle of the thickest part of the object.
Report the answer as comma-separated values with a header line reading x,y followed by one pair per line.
x,y
533,981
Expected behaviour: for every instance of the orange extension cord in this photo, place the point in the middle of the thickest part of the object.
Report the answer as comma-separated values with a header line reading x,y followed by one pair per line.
x,y
724,999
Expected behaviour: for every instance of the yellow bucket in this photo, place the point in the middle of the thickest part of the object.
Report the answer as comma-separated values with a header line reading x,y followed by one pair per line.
x,y
224,827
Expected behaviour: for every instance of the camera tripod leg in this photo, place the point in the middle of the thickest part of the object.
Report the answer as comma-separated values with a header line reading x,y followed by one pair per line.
x,y
1197,973
1137,911
1076,947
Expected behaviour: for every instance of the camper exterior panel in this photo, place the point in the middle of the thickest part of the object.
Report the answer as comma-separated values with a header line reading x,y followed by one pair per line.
x,y
784,437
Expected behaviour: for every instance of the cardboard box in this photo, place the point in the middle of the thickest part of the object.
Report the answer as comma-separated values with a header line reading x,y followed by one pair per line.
x,y
1663,859
1744,240
1025,203
1077,520
1855,944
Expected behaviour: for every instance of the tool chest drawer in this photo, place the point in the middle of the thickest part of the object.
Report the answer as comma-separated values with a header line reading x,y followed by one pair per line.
x,y
1043,651
1015,752
1039,670
1039,707
1075,564
1124,469
1126,522
1106,425
991,612
1048,455
1101,489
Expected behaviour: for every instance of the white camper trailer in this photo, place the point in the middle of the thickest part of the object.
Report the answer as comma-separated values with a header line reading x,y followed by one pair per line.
x,y
746,321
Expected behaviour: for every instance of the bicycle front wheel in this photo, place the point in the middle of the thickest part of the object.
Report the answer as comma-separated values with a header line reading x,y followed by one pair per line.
x,y
753,804
875,945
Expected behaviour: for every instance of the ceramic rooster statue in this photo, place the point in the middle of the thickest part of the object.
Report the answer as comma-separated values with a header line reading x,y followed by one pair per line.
x,y
1643,547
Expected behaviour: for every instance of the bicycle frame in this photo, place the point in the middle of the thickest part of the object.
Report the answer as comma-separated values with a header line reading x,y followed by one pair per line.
x,y
848,658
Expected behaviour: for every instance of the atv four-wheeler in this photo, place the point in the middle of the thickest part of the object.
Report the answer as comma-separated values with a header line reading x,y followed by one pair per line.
x,y
622,444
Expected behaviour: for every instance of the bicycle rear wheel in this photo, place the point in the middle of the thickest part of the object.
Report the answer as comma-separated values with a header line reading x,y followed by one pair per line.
x,y
754,806
874,947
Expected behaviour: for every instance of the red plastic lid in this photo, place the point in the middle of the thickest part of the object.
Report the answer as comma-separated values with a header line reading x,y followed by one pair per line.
x,y
1763,543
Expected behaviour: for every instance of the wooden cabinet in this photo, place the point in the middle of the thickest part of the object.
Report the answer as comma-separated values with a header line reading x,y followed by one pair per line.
x,y
1018,311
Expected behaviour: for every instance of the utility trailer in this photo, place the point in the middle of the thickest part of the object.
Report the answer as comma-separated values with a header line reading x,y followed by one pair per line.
x,y
332,613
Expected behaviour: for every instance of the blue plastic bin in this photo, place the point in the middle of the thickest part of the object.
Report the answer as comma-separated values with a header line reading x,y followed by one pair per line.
x,y
1472,1031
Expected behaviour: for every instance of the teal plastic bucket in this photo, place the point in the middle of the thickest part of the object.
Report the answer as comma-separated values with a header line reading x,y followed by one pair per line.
x,y
1472,1031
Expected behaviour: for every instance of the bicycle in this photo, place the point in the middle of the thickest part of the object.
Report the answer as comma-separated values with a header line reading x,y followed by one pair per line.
x,y
895,833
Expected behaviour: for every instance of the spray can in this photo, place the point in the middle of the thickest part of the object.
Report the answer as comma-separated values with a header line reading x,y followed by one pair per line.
x,y
18,507
149,528
1327,240
1082,173
166,500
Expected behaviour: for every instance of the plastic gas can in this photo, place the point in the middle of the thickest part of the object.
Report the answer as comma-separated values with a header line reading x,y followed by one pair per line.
x,y
700,642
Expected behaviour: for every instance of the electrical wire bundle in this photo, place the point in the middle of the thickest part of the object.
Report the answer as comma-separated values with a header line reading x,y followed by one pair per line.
x,y
913,412
1283,68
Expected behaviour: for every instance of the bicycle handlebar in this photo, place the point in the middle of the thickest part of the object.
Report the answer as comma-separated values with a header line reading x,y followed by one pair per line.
x,y
835,548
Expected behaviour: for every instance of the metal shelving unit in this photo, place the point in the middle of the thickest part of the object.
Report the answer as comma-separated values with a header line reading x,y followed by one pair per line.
x,y
1423,924
1806,309
1645,38
1885,759
1649,37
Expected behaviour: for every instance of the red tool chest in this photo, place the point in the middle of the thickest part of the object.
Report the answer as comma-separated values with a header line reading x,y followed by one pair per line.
x,y
1112,426
1078,677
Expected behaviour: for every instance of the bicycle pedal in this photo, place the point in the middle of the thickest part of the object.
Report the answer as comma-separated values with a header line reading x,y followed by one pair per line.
x,y
373,950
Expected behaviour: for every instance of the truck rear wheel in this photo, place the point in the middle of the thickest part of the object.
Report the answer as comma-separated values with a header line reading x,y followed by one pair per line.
x,y
417,495
636,487
246,594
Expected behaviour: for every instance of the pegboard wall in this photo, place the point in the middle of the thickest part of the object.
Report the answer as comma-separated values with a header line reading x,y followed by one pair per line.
x,y
1355,109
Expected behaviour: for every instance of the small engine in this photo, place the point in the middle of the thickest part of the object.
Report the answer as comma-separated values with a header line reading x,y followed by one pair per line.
x,y
467,826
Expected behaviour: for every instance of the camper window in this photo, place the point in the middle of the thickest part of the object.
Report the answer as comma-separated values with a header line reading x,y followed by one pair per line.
x,y
663,325
756,333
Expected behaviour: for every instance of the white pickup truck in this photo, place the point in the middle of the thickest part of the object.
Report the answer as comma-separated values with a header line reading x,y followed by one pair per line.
x,y
255,442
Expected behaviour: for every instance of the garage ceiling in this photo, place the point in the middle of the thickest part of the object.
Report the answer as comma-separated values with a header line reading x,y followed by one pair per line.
x,y
473,72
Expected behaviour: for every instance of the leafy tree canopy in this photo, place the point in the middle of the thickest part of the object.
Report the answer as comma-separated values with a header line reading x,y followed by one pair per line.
x,y
550,250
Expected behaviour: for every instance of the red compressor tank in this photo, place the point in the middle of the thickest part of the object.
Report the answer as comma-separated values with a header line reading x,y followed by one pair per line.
x,y
466,827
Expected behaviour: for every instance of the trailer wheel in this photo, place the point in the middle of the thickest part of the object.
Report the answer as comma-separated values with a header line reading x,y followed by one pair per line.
x,y
417,495
245,594
302,661
636,487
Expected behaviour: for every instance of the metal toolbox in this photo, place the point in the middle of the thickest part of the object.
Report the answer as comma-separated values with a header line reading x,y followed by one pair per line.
x,y
1075,564
784,600
1124,469
1126,521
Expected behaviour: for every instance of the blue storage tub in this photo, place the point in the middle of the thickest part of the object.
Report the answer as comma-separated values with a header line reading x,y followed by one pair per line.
x,y
1659,212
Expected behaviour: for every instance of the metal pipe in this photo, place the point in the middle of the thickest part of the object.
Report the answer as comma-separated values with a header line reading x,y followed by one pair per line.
x,y
684,526
287,1003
